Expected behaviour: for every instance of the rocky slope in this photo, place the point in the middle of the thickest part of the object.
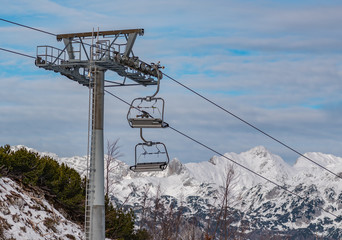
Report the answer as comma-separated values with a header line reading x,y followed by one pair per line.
x,y
26,214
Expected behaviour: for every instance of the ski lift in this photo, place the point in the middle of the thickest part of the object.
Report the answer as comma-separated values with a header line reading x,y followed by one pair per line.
x,y
147,112
150,156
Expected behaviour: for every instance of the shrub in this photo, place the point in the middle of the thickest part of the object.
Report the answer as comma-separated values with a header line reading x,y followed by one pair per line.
x,y
59,180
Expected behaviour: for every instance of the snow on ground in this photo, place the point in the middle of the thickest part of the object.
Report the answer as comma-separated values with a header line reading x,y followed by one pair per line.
x,y
25,214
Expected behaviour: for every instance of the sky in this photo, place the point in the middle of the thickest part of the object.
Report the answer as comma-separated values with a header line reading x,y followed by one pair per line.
x,y
275,64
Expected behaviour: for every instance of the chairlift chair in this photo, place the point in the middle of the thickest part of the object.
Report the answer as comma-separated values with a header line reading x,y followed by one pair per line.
x,y
142,112
154,151
146,113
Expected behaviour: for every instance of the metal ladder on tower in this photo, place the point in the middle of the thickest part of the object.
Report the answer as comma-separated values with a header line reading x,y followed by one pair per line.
x,y
90,188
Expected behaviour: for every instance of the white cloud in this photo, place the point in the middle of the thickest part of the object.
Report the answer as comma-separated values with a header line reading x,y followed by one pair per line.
x,y
288,80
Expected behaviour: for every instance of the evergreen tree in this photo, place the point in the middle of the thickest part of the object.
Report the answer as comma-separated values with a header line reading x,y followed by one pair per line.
x,y
59,180
120,224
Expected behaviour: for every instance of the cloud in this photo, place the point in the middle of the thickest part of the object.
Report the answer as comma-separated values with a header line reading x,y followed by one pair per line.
x,y
275,64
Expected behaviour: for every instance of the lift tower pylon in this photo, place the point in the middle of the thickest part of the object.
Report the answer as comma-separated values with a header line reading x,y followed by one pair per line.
x,y
85,61
98,208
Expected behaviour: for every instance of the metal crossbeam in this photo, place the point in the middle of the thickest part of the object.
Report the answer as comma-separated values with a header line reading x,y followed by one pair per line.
x,y
140,31
113,53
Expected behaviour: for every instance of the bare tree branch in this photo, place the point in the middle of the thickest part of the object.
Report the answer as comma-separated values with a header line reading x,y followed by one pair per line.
x,y
113,153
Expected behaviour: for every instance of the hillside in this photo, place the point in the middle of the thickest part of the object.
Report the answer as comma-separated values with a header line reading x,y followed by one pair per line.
x,y
26,214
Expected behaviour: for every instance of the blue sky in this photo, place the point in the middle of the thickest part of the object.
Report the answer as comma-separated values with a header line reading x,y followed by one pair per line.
x,y
276,64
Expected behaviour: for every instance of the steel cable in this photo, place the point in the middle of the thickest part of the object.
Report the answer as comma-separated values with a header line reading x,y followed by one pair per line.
x,y
25,26
18,53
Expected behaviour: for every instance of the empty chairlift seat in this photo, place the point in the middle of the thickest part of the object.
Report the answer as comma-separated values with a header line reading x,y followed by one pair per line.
x,y
149,167
150,156
146,113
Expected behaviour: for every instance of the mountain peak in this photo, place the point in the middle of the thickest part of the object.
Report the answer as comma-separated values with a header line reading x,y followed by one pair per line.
x,y
270,165
314,171
175,167
259,151
323,159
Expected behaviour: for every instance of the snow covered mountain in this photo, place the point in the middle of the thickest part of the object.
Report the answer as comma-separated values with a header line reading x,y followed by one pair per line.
x,y
314,210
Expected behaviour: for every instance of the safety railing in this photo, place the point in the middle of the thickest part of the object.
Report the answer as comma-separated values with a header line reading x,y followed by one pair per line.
x,y
50,55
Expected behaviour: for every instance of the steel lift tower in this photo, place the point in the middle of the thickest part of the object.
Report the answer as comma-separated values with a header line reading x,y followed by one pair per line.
x,y
85,58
